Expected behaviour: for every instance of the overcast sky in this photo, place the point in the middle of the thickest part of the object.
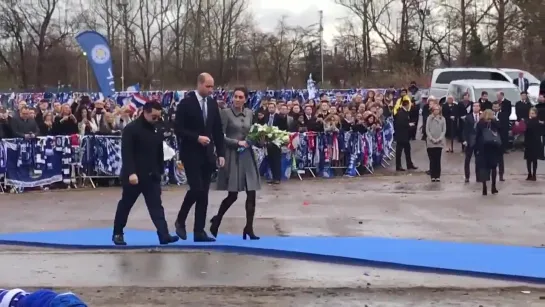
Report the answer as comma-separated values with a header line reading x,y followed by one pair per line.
x,y
299,12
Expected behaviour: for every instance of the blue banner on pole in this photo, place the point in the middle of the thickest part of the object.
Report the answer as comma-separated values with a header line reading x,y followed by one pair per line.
x,y
99,56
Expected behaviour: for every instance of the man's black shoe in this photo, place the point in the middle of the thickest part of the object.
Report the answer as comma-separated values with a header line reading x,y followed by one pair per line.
x,y
202,236
119,239
168,239
400,169
412,167
180,231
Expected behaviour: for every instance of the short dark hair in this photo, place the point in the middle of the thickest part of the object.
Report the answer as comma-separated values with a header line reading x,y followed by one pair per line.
x,y
484,93
241,89
152,105
405,103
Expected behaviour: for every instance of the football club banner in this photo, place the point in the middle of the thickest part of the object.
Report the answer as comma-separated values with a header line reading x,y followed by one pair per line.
x,y
98,54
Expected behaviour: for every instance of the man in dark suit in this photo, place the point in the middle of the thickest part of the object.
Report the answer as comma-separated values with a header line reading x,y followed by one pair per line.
x,y
465,107
274,153
470,136
142,155
505,107
402,136
522,107
484,102
521,82
502,116
199,131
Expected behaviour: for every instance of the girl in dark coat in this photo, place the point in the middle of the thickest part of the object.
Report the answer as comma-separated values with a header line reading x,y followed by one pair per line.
x,y
488,154
533,148
450,112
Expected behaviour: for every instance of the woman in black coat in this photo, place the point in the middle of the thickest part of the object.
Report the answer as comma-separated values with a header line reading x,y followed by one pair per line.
x,y
450,112
488,153
533,148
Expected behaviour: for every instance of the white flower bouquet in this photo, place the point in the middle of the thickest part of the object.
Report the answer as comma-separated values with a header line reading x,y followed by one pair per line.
x,y
268,134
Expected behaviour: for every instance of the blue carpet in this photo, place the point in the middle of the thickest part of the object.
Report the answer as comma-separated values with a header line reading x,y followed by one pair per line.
x,y
493,261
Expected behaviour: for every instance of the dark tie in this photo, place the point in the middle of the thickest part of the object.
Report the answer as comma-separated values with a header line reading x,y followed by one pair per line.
x,y
203,108
271,119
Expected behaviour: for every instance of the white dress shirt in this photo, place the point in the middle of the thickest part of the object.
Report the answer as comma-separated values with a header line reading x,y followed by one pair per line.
x,y
203,104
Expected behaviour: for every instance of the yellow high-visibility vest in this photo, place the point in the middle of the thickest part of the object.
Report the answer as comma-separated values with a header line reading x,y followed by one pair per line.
x,y
398,103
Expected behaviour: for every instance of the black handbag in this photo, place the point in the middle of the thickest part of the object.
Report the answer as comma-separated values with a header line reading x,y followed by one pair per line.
x,y
490,137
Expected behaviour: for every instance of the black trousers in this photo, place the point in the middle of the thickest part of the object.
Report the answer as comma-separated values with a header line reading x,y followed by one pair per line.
x,y
274,155
151,189
501,165
403,147
434,154
531,166
469,153
199,197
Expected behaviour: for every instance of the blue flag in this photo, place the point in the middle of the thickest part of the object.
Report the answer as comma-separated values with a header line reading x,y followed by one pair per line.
x,y
98,54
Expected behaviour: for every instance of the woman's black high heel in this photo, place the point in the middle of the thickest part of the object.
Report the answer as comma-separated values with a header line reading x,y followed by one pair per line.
x,y
215,225
250,233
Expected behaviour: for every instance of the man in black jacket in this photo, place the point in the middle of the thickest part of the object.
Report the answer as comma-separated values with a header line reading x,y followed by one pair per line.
x,y
402,136
143,166
503,126
484,102
465,107
470,137
5,129
505,107
522,107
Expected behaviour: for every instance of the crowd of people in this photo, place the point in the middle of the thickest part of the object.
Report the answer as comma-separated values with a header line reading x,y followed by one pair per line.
x,y
485,131
443,124
82,117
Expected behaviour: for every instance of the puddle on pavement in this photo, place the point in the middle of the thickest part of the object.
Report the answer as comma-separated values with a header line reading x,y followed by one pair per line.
x,y
205,269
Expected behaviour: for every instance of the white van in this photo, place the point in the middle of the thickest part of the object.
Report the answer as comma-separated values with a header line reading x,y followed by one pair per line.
x,y
476,87
442,77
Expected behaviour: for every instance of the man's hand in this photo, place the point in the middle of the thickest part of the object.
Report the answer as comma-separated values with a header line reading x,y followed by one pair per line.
x,y
221,161
32,135
203,140
464,143
133,179
243,144
27,136
452,117
411,124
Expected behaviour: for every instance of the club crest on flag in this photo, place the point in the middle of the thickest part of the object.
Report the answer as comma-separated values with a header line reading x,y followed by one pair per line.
x,y
100,54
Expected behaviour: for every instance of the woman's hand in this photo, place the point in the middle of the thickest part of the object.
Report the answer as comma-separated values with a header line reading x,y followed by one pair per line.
x,y
243,144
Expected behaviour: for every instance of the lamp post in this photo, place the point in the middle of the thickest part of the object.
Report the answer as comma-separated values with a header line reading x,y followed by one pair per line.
x,y
122,4
424,13
322,45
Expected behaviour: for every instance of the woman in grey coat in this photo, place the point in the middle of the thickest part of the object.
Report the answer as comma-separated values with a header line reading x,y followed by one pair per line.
x,y
241,172
436,128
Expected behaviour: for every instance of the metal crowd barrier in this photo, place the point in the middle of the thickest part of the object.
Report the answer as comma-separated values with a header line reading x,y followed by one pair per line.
x,y
84,159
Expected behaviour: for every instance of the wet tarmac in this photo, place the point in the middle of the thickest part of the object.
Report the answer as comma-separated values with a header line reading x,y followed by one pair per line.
x,y
385,204
202,269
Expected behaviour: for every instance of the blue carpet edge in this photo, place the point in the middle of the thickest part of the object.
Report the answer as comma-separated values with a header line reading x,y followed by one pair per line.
x,y
289,255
